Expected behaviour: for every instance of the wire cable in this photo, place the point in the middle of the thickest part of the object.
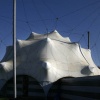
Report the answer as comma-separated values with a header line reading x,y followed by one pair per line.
x,y
34,5
84,19
87,5
93,21
50,10
96,41
97,54
81,38
56,22
26,16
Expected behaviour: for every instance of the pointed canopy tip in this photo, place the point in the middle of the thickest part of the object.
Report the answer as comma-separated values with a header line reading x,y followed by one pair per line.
x,y
18,40
46,65
56,31
2,64
47,39
34,33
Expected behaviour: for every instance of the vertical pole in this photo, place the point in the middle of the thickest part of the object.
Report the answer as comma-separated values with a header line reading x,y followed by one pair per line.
x,y
14,47
88,40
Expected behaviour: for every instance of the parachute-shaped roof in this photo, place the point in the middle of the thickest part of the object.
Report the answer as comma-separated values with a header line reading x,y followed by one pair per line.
x,y
48,57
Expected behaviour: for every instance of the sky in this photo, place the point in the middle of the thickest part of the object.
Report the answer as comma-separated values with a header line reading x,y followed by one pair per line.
x,y
71,18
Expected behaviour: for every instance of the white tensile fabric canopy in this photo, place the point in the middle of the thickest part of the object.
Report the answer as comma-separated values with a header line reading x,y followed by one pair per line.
x,y
47,58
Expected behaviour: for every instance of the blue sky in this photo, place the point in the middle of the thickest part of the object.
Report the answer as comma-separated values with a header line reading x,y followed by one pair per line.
x,y
72,18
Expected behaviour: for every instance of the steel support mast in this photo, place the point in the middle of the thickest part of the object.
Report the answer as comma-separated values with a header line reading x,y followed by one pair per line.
x,y
88,40
14,48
